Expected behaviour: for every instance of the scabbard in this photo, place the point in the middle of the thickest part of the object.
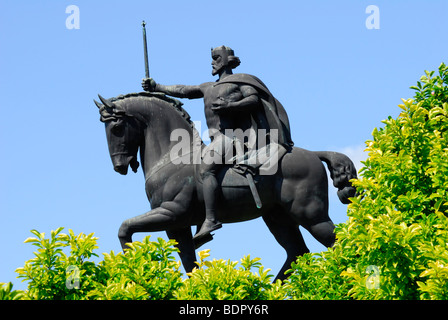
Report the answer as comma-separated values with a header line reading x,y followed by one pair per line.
x,y
254,190
249,177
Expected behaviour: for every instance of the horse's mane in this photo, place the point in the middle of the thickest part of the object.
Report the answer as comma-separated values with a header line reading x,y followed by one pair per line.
x,y
113,111
107,114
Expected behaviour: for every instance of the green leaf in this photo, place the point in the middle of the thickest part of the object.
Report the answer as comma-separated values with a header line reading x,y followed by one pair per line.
x,y
30,239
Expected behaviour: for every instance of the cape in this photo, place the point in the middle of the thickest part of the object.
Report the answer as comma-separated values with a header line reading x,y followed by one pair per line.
x,y
273,111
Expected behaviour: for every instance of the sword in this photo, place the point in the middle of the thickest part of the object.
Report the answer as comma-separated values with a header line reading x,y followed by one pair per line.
x,y
145,48
248,175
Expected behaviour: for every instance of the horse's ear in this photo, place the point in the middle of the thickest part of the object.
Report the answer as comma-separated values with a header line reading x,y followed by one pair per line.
x,y
99,105
106,102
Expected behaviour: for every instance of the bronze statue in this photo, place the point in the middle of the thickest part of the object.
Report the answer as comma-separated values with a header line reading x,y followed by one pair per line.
x,y
207,193
234,101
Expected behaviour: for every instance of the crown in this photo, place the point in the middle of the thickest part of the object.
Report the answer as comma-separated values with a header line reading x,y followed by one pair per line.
x,y
222,50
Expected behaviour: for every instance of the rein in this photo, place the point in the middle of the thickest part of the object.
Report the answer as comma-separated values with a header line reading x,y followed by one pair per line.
x,y
163,162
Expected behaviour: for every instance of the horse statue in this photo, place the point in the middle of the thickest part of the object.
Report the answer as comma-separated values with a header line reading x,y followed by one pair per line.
x,y
296,194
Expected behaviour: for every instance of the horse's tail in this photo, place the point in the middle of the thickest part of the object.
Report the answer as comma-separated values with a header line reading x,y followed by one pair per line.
x,y
342,170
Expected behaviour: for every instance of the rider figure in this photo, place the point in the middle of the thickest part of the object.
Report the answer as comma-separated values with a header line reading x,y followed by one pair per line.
x,y
234,101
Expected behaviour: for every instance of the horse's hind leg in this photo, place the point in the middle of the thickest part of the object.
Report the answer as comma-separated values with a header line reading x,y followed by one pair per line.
x,y
323,232
288,235
318,223
304,194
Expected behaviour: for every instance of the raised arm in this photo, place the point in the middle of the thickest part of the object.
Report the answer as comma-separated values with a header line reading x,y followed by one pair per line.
x,y
178,91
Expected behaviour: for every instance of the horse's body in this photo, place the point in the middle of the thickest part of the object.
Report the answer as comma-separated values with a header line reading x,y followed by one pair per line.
x,y
297,194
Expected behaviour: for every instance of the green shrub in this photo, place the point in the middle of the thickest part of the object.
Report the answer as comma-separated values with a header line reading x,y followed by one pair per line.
x,y
147,271
397,226
52,274
6,292
222,280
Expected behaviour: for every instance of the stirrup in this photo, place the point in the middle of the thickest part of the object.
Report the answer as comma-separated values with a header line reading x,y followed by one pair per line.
x,y
200,242
202,233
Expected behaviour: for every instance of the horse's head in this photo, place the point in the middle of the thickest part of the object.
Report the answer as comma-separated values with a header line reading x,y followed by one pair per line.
x,y
124,135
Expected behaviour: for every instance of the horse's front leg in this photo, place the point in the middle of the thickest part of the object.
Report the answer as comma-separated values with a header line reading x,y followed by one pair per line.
x,y
185,245
158,219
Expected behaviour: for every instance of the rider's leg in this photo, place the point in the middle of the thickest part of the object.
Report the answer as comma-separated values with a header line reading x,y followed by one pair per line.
x,y
210,184
211,163
211,195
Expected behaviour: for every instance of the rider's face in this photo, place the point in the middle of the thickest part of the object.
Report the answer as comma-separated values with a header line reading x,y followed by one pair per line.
x,y
217,64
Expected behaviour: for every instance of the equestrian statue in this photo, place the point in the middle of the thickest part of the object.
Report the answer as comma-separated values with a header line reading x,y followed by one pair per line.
x,y
250,169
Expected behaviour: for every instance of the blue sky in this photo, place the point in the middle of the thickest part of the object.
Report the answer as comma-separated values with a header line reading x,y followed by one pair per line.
x,y
336,78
